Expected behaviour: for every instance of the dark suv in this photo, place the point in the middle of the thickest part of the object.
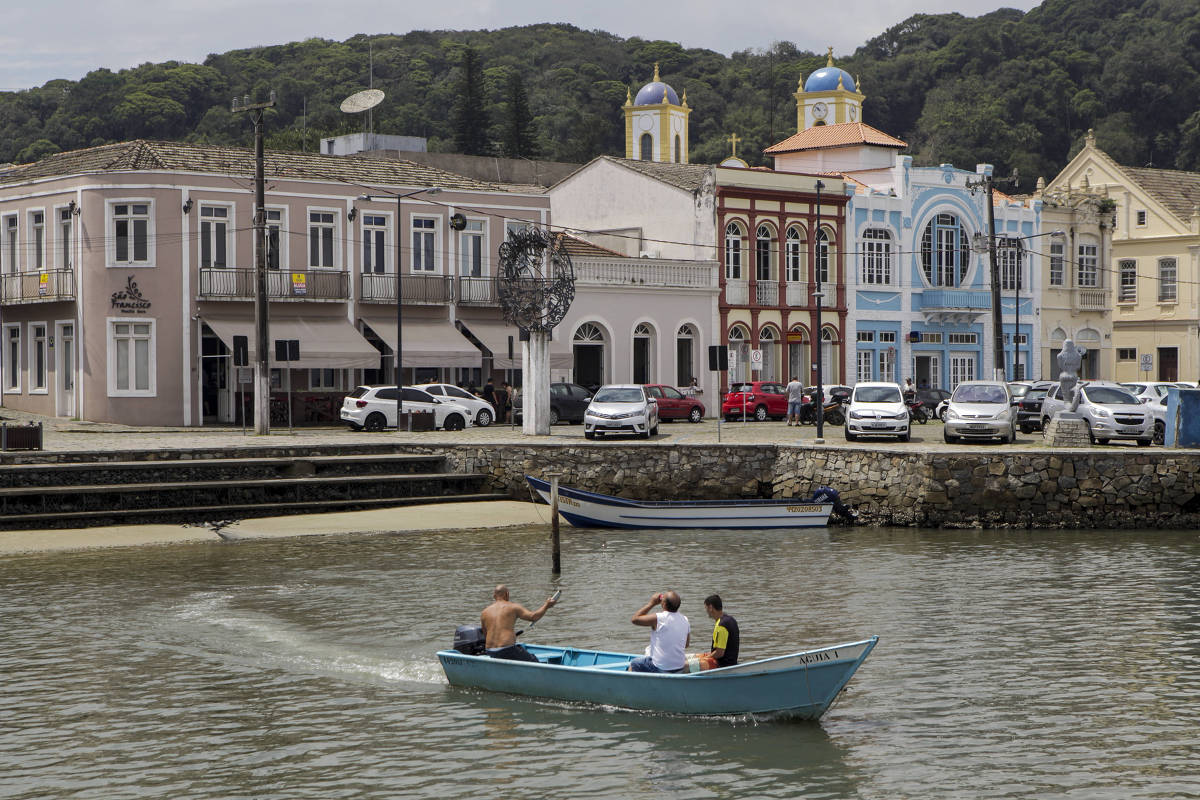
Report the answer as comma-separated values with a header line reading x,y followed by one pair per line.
x,y
568,402
1029,408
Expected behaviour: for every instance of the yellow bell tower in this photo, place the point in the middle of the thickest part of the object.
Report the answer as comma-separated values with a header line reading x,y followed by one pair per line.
x,y
656,123
830,96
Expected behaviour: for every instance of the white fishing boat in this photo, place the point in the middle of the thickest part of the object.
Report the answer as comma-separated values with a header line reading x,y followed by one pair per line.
x,y
585,509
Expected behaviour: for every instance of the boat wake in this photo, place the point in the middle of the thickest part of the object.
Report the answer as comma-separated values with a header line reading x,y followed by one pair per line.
x,y
211,626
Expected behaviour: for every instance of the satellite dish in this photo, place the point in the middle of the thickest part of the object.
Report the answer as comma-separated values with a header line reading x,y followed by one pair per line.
x,y
362,101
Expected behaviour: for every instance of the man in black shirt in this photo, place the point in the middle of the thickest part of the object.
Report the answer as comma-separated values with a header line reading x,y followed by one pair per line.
x,y
726,637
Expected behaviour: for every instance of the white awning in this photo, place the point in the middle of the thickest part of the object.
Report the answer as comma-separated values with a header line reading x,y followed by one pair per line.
x,y
494,335
427,342
325,343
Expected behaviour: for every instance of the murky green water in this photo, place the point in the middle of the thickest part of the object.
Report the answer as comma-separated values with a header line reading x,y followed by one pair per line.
x,y
1011,664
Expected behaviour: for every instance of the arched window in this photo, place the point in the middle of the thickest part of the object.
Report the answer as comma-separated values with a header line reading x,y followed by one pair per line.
x,y
793,254
739,354
589,354
768,339
647,149
588,333
876,256
762,252
823,256
685,355
678,149
945,251
798,353
829,359
643,351
733,252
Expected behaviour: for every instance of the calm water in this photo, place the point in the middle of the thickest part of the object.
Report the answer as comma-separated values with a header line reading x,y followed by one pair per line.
x,y
1011,664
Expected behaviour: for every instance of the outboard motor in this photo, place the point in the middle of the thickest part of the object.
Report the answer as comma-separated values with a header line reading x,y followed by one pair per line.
x,y
469,640
827,494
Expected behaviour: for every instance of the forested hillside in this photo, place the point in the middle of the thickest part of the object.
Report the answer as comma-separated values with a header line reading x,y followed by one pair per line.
x,y
1017,90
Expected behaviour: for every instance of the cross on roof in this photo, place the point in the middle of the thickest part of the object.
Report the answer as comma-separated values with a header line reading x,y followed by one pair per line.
x,y
733,142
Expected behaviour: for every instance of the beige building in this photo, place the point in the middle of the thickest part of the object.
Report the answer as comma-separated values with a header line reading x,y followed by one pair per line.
x,y
1072,255
1153,264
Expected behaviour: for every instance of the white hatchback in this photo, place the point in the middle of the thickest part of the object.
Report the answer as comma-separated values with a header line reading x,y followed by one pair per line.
x,y
373,408
877,409
482,412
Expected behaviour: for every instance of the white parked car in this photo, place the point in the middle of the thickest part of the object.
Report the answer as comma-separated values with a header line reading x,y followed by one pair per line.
x,y
482,413
621,408
1146,391
373,408
980,410
877,409
1110,410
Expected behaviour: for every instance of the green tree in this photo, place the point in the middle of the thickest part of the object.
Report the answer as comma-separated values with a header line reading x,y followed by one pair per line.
x,y
470,112
519,137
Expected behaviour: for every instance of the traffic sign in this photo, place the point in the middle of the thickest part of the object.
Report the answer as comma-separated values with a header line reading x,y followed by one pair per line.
x,y
1147,360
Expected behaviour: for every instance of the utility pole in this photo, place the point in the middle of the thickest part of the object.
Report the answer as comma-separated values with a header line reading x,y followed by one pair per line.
x,y
987,181
262,368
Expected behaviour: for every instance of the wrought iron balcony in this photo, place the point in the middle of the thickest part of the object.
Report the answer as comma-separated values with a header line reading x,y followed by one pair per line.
x,y
238,284
766,293
474,291
43,286
419,290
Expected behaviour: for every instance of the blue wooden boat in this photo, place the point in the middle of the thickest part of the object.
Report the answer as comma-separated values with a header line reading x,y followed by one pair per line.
x,y
585,509
801,685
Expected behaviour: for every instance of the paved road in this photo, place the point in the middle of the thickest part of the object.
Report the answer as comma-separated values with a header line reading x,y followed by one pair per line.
x,y
62,435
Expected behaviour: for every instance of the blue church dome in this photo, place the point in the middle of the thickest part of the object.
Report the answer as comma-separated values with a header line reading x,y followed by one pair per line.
x,y
652,94
826,80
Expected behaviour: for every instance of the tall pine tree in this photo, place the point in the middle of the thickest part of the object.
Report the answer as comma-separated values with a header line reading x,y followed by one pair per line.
x,y
518,137
470,115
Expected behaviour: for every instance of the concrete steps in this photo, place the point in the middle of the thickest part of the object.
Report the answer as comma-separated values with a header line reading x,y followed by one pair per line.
x,y
202,486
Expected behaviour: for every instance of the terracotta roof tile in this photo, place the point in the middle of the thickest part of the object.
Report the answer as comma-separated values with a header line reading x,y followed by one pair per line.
x,y
582,248
141,155
842,135
683,176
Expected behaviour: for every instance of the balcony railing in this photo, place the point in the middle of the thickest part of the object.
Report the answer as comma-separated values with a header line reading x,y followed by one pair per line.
x,y
955,299
419,290
737,293
45,286
1092,300
796,294
238,284
476,291
766,293
646,272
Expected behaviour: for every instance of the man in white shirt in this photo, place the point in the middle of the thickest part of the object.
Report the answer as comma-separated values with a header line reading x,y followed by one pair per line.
x,y
795,400
670,635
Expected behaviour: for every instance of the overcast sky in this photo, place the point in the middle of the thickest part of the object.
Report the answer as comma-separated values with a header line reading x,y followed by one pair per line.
x,y
42,41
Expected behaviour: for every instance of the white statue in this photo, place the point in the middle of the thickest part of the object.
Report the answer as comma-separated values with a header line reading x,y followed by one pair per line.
x,y
1069,362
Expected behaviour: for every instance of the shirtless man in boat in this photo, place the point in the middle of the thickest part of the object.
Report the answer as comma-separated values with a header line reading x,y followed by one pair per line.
x,y
499,621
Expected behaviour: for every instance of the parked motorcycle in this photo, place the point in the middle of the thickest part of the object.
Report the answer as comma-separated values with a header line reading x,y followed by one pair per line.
x,y
833,412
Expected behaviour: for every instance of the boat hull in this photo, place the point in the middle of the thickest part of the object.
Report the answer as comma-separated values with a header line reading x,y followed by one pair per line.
x,y
801,685
592,510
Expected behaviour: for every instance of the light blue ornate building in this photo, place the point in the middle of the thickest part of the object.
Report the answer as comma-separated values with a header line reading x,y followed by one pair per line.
x,y
918,282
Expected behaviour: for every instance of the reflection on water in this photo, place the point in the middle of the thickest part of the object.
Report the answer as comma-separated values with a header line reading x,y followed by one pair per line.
x,y
1046,664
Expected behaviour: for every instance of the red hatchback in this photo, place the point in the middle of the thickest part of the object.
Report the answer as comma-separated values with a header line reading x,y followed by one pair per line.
x,y
759,400
674,404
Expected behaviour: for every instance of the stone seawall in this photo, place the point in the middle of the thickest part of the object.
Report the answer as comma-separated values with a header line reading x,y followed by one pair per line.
x,y
983,487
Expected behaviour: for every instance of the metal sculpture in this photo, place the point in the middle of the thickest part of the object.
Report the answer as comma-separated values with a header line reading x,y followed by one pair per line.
x,y
537,280
535,287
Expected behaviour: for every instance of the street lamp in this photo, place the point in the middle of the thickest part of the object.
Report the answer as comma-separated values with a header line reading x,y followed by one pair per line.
x,y
399,288
817,295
